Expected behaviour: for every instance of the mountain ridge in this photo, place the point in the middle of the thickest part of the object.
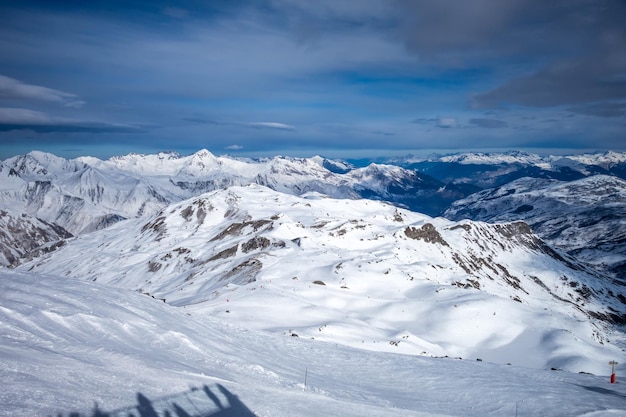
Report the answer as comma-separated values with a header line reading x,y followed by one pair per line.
x,y
589,221
293,265
133,185
87,194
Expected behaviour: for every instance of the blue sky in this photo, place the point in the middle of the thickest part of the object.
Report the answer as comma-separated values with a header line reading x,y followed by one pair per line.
x,y
338,78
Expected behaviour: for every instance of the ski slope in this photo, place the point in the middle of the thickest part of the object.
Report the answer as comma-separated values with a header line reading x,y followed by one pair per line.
x,y
67,345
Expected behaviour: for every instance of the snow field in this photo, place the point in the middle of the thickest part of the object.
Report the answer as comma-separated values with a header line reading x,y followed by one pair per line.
x,y
68,344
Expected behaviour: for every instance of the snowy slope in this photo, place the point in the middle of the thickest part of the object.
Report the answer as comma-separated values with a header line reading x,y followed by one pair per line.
x,y
488,170
359,273
87,194
23,237
586,218
67,345
74,195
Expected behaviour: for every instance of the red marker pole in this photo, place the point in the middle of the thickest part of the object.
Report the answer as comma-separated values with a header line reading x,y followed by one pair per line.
x,y
613,363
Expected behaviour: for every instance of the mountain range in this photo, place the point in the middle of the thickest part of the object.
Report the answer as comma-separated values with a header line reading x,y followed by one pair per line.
x,y
86,194
488,170
328,250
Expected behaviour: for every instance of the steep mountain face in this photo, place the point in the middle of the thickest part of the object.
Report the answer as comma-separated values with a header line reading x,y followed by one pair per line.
x,y
405,188
23,237
73,194
357,272
488,170
88,194
585,218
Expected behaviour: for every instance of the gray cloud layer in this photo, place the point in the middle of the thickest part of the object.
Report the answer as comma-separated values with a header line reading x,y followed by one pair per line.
x,y
11,88
12,119
480,72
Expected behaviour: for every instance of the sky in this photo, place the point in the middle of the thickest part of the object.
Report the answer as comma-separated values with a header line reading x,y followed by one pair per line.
x,y
337,78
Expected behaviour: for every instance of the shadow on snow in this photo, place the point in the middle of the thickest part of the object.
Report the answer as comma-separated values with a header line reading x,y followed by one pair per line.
x,y
197,402
601,390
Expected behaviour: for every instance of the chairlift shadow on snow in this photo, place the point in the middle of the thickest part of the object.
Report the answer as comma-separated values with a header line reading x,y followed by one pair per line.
x,y
197,402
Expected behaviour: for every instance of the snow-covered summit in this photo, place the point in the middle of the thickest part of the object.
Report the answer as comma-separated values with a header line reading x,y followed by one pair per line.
x,y
480,158
37,165
604,159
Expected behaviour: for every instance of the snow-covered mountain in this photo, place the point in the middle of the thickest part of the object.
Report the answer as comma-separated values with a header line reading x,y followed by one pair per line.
x,y
586,218
74,195
359,273
69,346
87,194
487,170
23,237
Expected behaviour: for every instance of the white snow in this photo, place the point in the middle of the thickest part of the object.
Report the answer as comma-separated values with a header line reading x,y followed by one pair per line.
x,y
493,158
67,345
348,272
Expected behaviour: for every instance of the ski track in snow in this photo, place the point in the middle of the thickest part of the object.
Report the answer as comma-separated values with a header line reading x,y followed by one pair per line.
x,y
67,345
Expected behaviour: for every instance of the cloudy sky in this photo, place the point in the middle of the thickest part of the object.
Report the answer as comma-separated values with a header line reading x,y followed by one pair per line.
x,y
337,78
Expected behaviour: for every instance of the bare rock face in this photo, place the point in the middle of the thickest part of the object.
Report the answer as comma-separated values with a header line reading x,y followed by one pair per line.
x,y
428,233
23,237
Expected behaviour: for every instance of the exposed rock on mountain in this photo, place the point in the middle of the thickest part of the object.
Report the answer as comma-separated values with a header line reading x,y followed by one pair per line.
x,y
586,218
23,237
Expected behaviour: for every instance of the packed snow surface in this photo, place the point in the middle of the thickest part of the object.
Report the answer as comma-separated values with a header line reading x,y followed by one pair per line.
x,y
68,345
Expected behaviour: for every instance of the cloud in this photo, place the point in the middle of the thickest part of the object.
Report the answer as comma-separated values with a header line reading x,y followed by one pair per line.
x,y
11,88
22,116
269,125
383,133
488,123
424,121
439,27
24,119
234,147
583,80
202,120
256,125
610,109
441,122
577,56
446,122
